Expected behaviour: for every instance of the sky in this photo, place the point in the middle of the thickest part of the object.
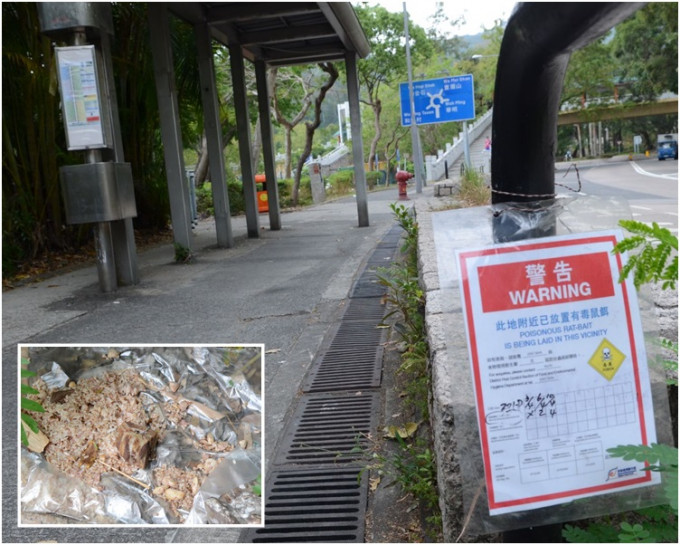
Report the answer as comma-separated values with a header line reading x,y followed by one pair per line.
x,y
477,13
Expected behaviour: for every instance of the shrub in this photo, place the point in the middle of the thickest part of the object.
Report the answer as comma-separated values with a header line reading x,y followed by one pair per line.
x,y
340,183
656,262
374,178
237,203
204,199
285,190
474,188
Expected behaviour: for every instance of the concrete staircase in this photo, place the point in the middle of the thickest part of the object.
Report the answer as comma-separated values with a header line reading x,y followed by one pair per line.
x,y
454,156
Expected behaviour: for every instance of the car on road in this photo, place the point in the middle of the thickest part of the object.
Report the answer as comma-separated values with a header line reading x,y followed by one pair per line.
x,y
667,146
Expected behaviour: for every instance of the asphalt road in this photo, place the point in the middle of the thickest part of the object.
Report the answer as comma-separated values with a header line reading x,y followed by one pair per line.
x,y
650,187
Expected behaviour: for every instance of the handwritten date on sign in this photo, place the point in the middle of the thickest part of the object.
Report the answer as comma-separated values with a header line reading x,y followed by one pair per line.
x,y
533,405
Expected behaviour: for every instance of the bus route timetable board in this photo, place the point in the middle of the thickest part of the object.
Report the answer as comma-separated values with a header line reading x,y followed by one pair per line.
x,y
559,369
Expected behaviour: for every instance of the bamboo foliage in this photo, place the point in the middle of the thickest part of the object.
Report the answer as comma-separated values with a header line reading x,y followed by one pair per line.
x,y
138,111
32,138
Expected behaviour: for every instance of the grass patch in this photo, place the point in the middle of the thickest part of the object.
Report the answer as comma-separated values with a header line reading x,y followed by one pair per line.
x,y
474,188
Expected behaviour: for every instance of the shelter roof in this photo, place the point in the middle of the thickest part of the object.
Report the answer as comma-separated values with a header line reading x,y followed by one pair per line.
x,y
281,33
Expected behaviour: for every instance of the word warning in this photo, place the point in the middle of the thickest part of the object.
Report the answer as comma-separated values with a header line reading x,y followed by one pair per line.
x,y
559,369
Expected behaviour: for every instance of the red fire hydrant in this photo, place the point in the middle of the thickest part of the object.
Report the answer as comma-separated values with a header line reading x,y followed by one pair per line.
x,y
402,176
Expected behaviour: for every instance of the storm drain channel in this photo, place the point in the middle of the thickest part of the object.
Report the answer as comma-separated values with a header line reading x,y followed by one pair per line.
x,y
352,360
316,490
320,505
327,429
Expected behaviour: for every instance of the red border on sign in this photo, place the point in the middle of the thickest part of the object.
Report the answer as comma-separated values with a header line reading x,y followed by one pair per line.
x,y
504,286
463,256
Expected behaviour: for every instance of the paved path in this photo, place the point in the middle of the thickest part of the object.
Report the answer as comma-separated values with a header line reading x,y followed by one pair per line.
x,y
284,289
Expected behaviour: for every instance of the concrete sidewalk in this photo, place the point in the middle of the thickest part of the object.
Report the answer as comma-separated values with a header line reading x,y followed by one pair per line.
x,y
285,289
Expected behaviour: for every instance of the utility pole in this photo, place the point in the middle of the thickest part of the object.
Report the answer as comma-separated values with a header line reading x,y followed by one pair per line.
x,y
415,139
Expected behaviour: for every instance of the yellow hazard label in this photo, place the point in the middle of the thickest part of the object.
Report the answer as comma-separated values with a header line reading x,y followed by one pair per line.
x,y
607,359
264,197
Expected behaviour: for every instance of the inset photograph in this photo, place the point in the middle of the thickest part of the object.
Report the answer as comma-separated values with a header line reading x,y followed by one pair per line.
x,y
141,435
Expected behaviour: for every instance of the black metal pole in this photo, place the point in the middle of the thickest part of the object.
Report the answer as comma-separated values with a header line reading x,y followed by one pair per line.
x,y
537,44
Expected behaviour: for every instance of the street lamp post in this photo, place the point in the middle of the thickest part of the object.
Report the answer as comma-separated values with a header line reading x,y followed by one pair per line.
x,y
415,140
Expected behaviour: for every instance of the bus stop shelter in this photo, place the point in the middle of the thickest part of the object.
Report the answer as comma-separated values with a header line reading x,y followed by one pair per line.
x,y
265,34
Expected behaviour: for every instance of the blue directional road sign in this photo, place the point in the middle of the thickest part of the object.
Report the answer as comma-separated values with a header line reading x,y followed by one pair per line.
x,y
439,100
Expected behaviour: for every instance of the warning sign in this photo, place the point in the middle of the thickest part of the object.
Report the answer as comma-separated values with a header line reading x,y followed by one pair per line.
x,y
559,369
607,359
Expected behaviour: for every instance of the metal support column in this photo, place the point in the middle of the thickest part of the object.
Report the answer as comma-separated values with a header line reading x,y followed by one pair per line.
x,y
180,208
122,231
213,134
268,145
357,140
106,266
103,240
243,127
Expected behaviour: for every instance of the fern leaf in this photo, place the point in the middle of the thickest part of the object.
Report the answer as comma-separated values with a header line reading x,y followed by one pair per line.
x,y
30,405
652,264
671,490
26,390
664,455
24,437
30,422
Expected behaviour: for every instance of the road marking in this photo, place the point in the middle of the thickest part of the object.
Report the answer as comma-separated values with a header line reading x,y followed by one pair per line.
x,y
640,170
660,224
639,207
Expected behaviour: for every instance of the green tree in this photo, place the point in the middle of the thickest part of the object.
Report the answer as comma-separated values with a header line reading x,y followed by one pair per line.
x,y
394,133
386,63
225,95
447,47
311,126
590,73
138,106
483,70
645,47
292,94
637,61
32,139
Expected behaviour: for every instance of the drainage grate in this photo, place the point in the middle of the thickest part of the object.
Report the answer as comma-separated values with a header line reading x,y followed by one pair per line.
x,y
382,257
367,285
352,361
389,242
314,505
328,433
328,429
392,238
365,309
